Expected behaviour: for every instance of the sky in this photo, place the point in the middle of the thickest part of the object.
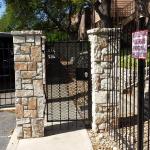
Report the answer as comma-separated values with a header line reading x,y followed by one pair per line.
x,y
2,9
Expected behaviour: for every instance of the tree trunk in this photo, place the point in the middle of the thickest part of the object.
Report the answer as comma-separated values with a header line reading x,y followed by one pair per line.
x,y
143,8
103,8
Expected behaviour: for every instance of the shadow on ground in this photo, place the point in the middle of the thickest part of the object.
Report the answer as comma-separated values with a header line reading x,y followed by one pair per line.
x,y
62,127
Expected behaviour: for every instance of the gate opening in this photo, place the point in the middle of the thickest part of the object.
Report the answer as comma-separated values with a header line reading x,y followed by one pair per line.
x,y
68,83
7,74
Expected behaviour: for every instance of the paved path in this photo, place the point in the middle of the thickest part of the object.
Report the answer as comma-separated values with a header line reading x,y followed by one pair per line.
x,y
7,125
75,140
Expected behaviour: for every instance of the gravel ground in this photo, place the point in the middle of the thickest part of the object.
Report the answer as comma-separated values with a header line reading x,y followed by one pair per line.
x,y
102,141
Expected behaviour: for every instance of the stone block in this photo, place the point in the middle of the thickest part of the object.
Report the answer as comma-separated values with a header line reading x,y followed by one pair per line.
x,y
21,58
27,86
106,84
20,66
18,101
24,93
17,80
97,53
105,76
25,107
28,74
17,49
107,58
32,66
101,118
107,71
26,81
27,32
22,121
36,55
37,40
101,97
30,113
32,104
96,68
40,107
102,42
25,49
39,71
106,65
26,125
27,132
18,39
25,101
105,51
37,127
97,82
19,131
38,87
19,111
30,38
102,126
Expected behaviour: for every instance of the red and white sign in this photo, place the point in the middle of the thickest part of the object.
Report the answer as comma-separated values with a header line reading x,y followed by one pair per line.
x,y
139,44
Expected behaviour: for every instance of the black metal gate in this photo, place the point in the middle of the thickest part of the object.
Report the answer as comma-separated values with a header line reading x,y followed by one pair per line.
x,y
128,114
68,83
7,78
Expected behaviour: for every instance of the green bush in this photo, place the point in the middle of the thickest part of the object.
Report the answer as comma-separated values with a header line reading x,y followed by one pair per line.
x,y
127,61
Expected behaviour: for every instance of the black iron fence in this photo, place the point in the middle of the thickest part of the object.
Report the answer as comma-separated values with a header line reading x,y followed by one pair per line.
x,y
7,78
129,102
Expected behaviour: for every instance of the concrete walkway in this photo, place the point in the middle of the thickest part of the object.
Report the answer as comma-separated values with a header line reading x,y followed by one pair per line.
x,y
7,125
75,140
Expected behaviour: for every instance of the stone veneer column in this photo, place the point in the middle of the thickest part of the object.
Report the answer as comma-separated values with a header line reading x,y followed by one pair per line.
x,y
29,79
101,64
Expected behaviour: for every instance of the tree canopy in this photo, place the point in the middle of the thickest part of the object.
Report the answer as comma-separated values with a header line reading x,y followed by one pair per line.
x,y
57,15
43,14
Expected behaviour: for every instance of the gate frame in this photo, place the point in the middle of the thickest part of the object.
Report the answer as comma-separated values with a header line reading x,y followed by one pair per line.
x,y
87,124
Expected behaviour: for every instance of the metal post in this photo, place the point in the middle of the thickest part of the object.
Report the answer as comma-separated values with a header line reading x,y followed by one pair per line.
x,y
141,73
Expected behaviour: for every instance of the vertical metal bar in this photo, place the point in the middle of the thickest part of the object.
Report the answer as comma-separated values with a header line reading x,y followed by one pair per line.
x,y
120,89
89,84
134,102
112,115
76,84
108,94
141,72
126,88
84,82
68,86
59,85
116,78
141,65
115,83
148,138
46,65
134,98
10,74
130,88
51,98
122,92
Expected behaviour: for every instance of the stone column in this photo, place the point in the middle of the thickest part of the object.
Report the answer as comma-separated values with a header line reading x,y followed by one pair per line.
x,y
29,94
104,50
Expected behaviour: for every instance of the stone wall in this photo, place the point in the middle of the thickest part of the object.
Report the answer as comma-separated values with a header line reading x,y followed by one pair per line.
x,y
29,79
104,49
